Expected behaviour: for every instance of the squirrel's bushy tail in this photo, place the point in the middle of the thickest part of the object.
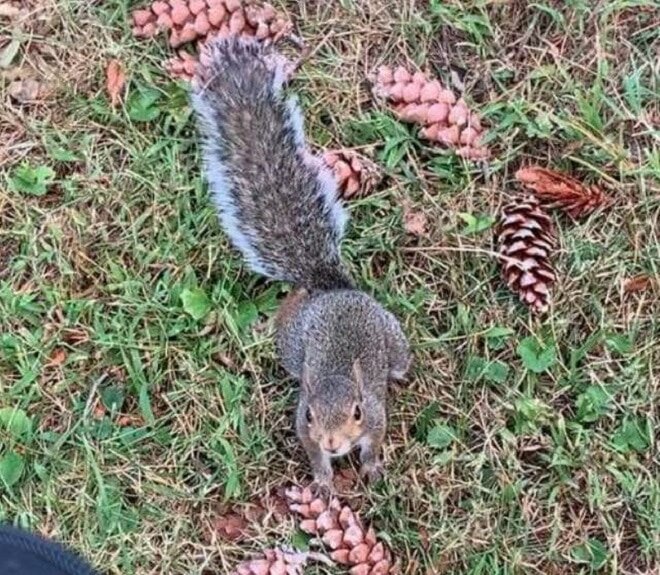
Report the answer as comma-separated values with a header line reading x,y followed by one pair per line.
x,y
277,202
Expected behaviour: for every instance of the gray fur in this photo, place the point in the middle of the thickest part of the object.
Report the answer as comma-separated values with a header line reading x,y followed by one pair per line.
x,y
332,329
277,202
327,334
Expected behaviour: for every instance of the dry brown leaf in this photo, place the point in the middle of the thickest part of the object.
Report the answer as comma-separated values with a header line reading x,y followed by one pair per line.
x,y
57,358
224,359
75,336
345,480
557,190
99,411
26,90
117,373
254,511
638,283
115,80
126,420
414,222
272,505
230,527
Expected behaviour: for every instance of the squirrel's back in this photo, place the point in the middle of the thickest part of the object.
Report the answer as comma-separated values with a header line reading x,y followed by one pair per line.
x,y
278,203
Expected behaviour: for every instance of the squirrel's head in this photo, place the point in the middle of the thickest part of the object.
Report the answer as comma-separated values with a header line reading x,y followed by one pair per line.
x,y
333,412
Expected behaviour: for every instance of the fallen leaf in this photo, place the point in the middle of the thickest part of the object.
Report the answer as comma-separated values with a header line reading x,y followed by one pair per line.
x,y
126,420
224,359
559,190
195,303
266,510
345,480
414,222
230,527
276,504
25,91
99,411
254,511
638,283
75,336
57,358
115,80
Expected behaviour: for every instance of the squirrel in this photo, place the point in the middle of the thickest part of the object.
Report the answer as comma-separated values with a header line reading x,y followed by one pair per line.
x,y
279,205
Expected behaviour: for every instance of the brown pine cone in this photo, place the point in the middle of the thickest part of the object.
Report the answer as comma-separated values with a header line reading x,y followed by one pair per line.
x,y
342,531
279,562
526,240
182,66
355,174
557,190
190,20
416,98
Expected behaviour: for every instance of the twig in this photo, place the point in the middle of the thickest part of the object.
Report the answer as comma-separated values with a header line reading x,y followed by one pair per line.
x,y
472,250
92,392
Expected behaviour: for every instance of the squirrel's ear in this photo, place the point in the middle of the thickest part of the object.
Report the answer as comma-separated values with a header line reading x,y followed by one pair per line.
x,y
358,376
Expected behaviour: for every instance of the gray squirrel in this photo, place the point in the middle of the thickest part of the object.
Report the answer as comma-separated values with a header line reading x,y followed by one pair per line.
x,y
278,204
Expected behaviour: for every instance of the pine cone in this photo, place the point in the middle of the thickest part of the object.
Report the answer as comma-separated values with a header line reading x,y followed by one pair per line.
x,y
355,174
182,66
342,531
279,562
445,120
190,20
558,190
526,239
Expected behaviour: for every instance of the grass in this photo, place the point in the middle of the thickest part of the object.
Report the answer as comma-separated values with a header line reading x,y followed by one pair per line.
x,y
519,445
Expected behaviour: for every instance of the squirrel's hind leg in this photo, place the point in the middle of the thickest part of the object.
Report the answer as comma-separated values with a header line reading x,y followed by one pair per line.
x,y
289,329
398,349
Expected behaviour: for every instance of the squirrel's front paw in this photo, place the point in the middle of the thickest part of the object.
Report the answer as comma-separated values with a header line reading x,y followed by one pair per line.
x,y
323,487
372,472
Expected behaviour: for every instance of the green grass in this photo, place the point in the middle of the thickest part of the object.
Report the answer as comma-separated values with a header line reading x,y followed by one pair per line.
x,y
130,416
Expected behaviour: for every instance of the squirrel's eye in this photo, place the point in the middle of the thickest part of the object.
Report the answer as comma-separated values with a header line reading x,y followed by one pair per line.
x,y
308,415
357,413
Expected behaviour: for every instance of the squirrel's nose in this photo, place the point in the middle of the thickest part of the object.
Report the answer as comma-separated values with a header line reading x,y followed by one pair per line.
x,y
331,445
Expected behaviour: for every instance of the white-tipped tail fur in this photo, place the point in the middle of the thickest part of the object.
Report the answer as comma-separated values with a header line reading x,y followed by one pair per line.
x,y
277,202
